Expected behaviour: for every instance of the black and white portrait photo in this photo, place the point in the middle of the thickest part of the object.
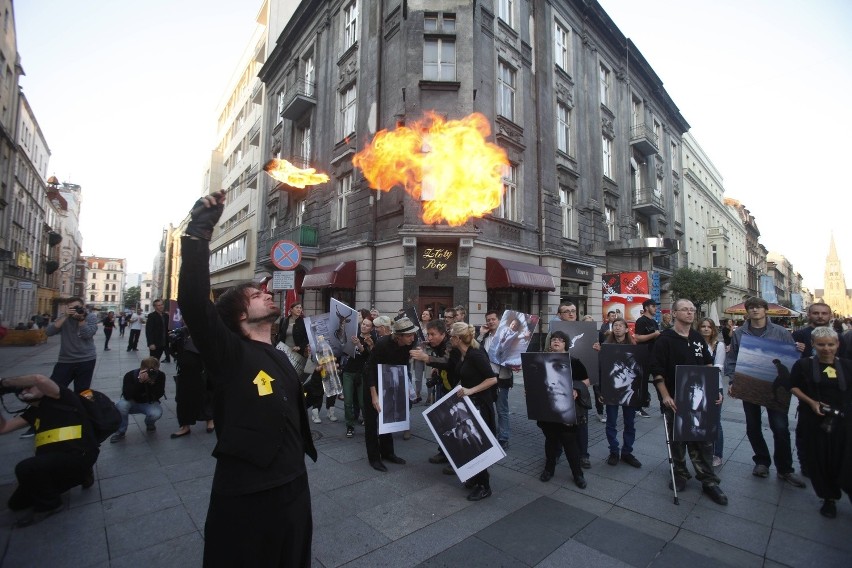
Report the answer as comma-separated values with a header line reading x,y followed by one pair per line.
x,y
393,394
622,377
696,393
549,387
465,439
583,334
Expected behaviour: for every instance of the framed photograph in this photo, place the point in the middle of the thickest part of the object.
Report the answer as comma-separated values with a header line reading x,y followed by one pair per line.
x,y
583,334
393,397
762,372
549,387
512,338
465,439
696,393
623,376
345,326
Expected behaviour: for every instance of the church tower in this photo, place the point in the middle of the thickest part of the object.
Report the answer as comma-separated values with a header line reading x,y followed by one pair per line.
x,y
835,293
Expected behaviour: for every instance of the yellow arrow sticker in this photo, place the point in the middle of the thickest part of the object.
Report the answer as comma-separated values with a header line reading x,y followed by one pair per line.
x,y
830,372
264,383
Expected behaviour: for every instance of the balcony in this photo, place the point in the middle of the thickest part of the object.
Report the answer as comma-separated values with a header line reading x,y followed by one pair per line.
x,y
306,236
643,138
718,233
726,272
300,98
648,201
254,133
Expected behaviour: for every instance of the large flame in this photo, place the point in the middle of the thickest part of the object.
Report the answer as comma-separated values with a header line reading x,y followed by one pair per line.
x,y
285,172
448,165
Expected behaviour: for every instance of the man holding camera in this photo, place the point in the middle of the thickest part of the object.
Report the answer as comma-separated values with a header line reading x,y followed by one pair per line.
x,y
65,446
141,392
77,353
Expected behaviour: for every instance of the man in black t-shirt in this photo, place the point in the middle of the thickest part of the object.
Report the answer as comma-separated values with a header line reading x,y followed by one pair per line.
x,y
646,331
65,446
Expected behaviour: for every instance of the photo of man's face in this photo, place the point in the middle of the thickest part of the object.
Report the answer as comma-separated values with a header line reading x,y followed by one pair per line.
x,y
558,382
549,387
623,374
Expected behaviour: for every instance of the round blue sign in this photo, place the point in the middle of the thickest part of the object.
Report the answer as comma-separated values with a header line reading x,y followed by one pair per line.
x,y
285,255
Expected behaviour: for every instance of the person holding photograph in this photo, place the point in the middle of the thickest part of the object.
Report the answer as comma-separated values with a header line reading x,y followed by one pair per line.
x,y
471,369
622,374
558,436
822,385
682,345
389,350
707,329
757,324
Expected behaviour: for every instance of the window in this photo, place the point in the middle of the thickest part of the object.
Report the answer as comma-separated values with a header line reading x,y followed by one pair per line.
x,y
636,117
341,203
504,11
641,228
714,256
350,24
674,159
566,202
678,216
609,213
301,207
658,189
605,84
91,297
560,46
310,75
607,156
509,203
347,111
439,59
280,107
444,23
506,91
563,128
658,132
303,138
273,222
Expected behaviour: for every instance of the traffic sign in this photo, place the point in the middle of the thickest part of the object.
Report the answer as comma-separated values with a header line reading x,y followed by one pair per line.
x,y
285,255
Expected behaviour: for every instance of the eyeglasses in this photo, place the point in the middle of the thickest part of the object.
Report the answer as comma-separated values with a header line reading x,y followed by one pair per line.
x,y
688,310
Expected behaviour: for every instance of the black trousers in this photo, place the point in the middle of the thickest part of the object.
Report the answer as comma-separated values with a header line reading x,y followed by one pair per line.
x,y
558,438
133,340
264,529
377,446
485,405
825,454
193,398
107,335
43,478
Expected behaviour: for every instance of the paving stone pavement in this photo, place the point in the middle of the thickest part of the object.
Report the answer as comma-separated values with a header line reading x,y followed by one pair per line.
x,y
148,505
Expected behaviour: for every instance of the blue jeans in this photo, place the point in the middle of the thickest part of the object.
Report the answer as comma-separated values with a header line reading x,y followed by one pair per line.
x,y
780,427
152,411
503,428
629,428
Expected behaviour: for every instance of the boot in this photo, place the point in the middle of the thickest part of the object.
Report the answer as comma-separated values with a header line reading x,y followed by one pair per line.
x,y
315,416
330,414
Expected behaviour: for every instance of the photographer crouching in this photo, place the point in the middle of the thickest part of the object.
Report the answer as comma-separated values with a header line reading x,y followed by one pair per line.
x,y
65,446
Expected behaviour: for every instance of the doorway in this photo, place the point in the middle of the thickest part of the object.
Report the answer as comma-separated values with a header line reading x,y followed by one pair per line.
x,y
436,299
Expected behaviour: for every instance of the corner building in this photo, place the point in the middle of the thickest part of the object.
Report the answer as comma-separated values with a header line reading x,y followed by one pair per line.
x,y
591,135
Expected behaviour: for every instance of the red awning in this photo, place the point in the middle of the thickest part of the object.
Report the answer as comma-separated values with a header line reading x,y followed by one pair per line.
x,y
340,275
510,274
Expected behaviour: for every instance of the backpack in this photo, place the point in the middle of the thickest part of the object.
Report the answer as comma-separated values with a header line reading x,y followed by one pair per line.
x,y
102,413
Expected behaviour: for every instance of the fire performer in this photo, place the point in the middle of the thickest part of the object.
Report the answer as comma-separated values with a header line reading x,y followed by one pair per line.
x,y
260,504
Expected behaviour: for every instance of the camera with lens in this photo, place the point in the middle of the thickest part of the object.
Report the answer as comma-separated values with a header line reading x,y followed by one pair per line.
x,y
80,310
832,415
177,339
433,380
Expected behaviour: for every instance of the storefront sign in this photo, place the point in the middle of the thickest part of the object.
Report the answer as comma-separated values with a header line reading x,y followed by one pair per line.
x,y
579,272
435,258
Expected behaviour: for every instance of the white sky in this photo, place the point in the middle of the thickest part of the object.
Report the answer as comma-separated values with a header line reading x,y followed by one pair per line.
x,y
126,94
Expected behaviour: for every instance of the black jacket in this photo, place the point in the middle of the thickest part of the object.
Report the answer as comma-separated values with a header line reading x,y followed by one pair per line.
x,y
261,421
157,329
143,393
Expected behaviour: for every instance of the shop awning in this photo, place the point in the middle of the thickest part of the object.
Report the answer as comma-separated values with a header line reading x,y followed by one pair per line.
x,y
340,275
510,274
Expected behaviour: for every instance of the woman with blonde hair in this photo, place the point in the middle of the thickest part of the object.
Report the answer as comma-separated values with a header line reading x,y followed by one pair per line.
x,y
469,367
710,333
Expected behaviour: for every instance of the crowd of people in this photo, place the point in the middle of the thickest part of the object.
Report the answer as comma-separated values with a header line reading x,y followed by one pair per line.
x,y
251,368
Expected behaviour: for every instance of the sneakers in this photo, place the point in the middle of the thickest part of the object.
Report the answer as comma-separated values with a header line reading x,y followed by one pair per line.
x,y
315,416
117,437
612,459
792,479
350,432
828,509
602,418
760,470
717,461
29,433
330,414
630,459
438,458
151,428
643,414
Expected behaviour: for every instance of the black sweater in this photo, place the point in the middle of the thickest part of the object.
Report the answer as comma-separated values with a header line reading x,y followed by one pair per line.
x,y
672,349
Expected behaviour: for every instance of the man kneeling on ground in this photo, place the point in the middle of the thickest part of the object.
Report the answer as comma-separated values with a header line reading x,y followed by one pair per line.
x,y
65,446
141,392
